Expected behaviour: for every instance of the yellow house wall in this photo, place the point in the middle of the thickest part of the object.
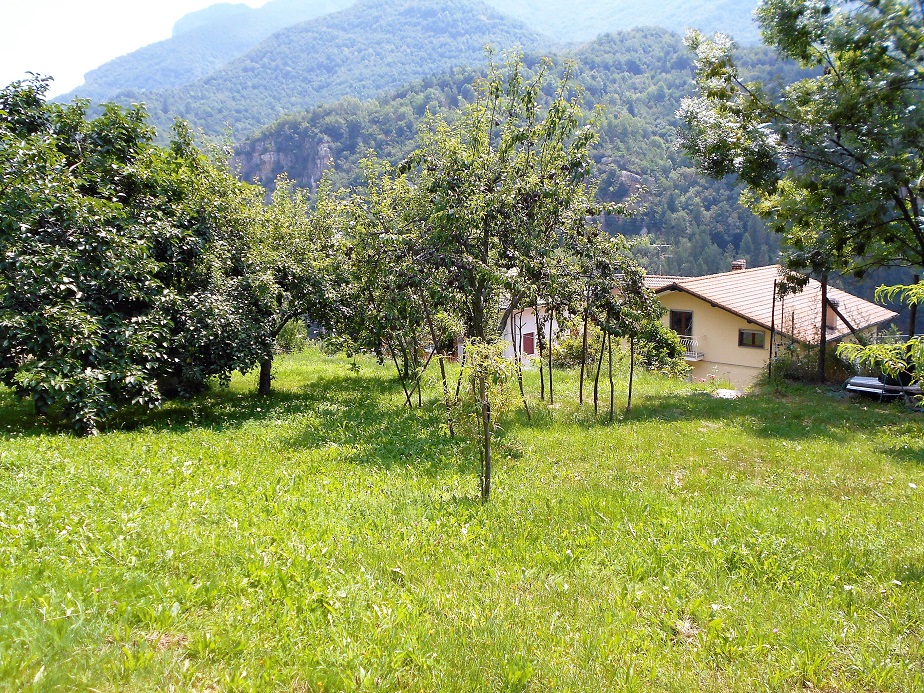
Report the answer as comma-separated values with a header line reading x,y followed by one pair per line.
x,y
717,333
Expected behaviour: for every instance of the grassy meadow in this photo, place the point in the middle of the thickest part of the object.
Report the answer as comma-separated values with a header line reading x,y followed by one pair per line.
x,y
327,538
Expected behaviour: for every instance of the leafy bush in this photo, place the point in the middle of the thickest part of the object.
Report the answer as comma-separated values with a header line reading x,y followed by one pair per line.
x,y
659,349
292,339
800,363
567,351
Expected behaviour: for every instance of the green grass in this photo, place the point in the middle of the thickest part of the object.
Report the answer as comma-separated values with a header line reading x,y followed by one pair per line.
x,y
329,539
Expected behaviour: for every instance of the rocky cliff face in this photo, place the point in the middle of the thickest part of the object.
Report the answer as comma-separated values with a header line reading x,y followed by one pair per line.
x,y
264,159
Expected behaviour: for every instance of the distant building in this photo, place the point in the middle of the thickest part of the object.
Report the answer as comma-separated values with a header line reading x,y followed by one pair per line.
x,y
726,320
522,330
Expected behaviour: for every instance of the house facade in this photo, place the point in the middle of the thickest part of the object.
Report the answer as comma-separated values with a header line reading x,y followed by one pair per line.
x,y
521,333
733,323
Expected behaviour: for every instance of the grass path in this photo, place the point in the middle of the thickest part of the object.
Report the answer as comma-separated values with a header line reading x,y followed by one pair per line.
x,y
329,539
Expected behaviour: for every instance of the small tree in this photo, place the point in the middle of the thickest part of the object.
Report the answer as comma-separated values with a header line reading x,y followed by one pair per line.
x,y
299,260
489,394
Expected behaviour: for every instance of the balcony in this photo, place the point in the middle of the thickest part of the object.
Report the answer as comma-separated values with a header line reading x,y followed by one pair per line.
x,y
691,349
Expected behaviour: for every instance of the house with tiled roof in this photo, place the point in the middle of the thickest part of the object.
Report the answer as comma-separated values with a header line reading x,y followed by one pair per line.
x,y
732,323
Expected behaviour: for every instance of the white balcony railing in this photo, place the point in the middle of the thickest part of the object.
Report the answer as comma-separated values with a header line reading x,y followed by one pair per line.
x,y
691,349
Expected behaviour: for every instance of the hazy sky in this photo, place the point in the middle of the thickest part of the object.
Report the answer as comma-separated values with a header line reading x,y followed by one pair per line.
x,y
67,38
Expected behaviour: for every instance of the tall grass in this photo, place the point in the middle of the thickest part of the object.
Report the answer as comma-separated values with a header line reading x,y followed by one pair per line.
x,y
327,538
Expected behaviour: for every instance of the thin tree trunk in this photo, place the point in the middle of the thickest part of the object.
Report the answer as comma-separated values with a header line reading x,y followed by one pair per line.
x,y
418,373
823,341
913,312
540,339
631,372
433,336
266,375
519,363
486,440
416,387
551,386
612,387
584,351
597,374
394,358
461,372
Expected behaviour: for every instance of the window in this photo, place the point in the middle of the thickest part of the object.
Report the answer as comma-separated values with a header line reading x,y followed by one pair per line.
x,y
682,322
529,343
751,338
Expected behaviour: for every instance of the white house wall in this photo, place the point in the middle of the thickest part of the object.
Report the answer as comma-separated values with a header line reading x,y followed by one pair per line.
x,y
521,324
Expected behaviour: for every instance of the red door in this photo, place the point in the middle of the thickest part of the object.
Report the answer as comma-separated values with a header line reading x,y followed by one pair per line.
x,y
529,343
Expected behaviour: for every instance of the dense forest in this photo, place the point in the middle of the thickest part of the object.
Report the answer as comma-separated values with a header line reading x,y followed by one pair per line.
x,y
569,21
376,45
637,77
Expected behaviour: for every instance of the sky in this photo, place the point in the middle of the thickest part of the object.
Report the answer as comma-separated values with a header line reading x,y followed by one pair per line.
x,y
67,38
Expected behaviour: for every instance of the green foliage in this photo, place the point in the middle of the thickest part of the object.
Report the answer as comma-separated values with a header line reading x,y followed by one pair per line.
x,y
329,535
827,160
901,360
121,265
799,363
568,349
292,339
701,219
660,350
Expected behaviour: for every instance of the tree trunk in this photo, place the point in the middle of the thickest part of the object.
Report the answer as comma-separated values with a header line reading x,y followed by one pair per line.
x,y
551,386
540,345
823,341
266,375
394,358
486,441
597,374
518,362
584,353
612,387
631,372
913,312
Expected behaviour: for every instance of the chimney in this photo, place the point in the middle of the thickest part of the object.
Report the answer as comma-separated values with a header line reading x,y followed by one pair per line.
x,y
830,315
739,265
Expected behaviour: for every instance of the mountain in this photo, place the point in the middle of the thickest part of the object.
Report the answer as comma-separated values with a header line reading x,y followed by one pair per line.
x,y
570,21
209,39
371,46
639,77
202,42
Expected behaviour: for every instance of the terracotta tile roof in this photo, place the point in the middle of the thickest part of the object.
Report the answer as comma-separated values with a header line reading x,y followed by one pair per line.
x,y
656,281
749,294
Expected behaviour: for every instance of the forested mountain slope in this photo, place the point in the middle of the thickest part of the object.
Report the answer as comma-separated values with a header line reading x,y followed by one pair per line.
x,y
568,21
202,42
206,40
371,46
638,76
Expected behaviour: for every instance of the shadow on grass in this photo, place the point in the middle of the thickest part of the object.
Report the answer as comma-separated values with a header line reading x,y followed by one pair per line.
x,y
361,415
797,415
911,573
771,415
913,454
